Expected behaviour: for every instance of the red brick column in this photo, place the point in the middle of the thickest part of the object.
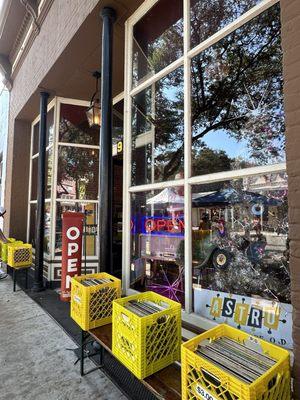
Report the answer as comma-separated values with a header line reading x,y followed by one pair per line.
x,y
290,14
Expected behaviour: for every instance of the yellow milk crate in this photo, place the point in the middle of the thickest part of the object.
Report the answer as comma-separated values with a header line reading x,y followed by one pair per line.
x,y
4,248
146,344
91,306
19,254
202,379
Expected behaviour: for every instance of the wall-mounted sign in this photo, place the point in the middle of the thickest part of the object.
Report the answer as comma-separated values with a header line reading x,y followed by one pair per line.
x,y
72,227
269,320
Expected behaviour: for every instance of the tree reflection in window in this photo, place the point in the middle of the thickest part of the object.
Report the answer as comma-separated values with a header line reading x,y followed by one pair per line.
x,y
77,174
208,17
157,130
157,39
237,100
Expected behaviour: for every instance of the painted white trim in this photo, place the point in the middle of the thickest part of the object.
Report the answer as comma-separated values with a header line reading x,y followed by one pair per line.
x,y
235,174
187,162
140,12
156,186
84,146
119,97
74,102
37,154
29,187
59,200
127,159
159,75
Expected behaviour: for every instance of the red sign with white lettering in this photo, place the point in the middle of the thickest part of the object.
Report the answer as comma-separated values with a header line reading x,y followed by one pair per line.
x,y
72,228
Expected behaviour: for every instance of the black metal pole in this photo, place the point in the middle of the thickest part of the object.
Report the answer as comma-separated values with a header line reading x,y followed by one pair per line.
x,y
40,215
105,162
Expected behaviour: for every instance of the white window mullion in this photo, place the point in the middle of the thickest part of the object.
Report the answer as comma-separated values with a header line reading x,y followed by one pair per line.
x,y
127,159
154,78
83,146
187,163
156,186
236,174
83,201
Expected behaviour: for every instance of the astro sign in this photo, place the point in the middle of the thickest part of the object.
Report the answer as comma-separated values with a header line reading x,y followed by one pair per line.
x,y
269,320
158,225
72,228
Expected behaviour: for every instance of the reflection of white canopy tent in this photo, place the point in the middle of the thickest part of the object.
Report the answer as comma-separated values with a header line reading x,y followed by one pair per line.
x,y
166,196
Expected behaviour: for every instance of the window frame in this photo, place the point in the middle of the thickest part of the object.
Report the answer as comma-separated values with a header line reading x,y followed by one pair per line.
x,y
188,180
53,200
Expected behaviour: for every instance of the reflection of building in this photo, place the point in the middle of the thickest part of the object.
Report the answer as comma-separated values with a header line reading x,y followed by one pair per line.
x,y
192,120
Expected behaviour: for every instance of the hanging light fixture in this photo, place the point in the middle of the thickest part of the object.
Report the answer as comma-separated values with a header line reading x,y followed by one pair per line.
x,y
93,113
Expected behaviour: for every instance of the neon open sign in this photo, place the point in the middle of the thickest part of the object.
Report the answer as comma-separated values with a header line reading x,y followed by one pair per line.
x,y
158,225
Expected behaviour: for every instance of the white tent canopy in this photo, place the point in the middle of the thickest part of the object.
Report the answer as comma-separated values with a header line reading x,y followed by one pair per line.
x,y
166,196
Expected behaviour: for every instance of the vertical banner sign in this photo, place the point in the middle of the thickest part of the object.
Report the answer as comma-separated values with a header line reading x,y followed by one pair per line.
x,y
72,228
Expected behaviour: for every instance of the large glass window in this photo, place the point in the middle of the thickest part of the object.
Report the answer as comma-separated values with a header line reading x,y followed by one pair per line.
x,y
72,164
77,173
157,131
214,121
74,127
237,99
240,237
90,240
157,39
209,16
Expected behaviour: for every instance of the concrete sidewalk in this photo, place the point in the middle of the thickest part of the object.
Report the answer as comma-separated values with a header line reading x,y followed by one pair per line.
x,y
34,362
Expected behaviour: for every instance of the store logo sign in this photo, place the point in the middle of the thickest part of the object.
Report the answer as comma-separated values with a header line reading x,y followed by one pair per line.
x,y
267,319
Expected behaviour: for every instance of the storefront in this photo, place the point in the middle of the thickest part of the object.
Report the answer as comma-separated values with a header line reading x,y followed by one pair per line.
x,y
206,115
72,175
205,202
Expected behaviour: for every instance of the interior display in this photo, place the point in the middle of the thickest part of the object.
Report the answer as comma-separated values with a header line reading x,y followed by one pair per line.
x,y
246,248
157,228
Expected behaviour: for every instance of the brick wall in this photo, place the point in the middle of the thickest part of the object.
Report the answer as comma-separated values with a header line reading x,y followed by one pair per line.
x,y
290,10
61,24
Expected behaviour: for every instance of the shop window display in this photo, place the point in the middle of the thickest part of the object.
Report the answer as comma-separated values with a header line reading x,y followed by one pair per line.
x,y
157,245
241,252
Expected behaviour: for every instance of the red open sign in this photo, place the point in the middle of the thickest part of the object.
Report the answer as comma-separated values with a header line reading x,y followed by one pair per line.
x,y
72,228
